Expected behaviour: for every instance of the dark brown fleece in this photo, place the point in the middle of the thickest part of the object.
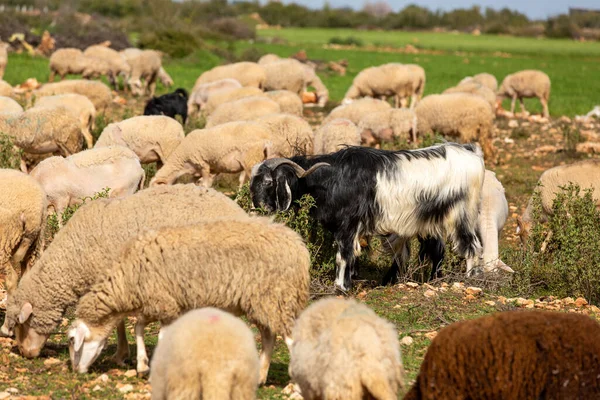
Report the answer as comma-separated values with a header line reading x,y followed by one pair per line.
x,y
515,355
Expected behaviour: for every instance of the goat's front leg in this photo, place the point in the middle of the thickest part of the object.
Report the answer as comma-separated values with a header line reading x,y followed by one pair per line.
x,y
344,260
142,358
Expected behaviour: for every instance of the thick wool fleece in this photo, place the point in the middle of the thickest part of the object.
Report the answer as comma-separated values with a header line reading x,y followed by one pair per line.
x,y
485,79
247,266
247,73
513,355
208,354
152,137
291,134
357,110
476,89
8,105
335,135
98,93
289,102
285,74
226,96
343,350
386,125
79,106
93,238
242,110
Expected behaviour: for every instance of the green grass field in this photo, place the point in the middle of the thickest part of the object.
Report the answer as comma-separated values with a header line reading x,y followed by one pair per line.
x,y
575,72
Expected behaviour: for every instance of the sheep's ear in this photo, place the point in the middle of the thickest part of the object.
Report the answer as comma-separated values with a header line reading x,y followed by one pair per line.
x,y
25,313
81,331
268,151
283,194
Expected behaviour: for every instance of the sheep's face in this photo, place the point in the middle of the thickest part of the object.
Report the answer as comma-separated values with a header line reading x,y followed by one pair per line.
x,y
136,86
18,322
84,346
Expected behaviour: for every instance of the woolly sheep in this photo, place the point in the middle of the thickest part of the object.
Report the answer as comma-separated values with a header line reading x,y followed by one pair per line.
x,y
118,65
228,148
492,217
226,96
357,110
43,131
144,67
241,110
22,221
461,115
343,350
290,134
527,83
223,263
268,59
80,107
289,102
398,80
386,125
584,173
152,137
98,93
285,74
247,73
202,93
513,355
3,58
217,352
73,61
89,244
335,135
485,79
5,88
67,181
9,105
131,53
476,89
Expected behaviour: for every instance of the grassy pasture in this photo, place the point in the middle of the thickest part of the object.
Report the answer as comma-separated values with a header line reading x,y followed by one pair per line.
x,y
574,69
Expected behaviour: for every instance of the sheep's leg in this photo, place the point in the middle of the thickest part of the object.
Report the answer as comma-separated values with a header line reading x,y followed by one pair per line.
x,y
122,345
52,75
522,106
142,357
207,177
512,104
242,178
23,165
89,139
396,101
545,107
268,344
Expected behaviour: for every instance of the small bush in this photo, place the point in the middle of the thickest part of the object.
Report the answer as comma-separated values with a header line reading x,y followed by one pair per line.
x,y
251,54
177,44
10,157
101,122
347,41
233,28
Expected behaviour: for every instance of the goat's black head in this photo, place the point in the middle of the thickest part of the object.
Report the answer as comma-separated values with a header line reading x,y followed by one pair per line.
x,y
274,183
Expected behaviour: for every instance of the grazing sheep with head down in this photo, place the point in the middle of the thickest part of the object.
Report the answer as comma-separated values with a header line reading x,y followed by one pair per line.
x,y
384,126
67,181
228,148
357,110
475,89
485,79
88,245
399,81
226,96
250,266
525,84
584,173
343,350
202,93
290,103
98,93
335,135
22,220
513,355
118,65
291,135
460,115
79,106
144,67
217,352
9,105
152,137
242,110
246,73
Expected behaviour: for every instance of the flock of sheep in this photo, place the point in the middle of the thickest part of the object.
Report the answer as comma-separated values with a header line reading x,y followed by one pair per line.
x,y
189,257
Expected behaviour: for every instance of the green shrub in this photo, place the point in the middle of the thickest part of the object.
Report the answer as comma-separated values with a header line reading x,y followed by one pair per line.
x,y
347,41
177,44
10,157
101,122
234,28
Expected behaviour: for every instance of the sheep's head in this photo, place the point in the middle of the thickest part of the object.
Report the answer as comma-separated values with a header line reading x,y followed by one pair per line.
x,y
85,345
274,181
18,322
136,86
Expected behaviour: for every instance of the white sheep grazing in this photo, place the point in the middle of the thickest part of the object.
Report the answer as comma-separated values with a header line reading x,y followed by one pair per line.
x,y
291,135
144,67
80,107
357,110
485,79
268,59
289,102
73,61
584,173
246,73
152,137
247,266
525,84
226,96
492,217
343,350
476,89
242,110
67,181
3,58
335,135
389,80
217,352
22,220
201,94
117,64
285,74
5,88
228,148
9,105
98,93
384,126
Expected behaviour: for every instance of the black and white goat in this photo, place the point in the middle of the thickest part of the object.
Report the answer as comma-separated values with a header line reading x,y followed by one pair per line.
x,y
433,192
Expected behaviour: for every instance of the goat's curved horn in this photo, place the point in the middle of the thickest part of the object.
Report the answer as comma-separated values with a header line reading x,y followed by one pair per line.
x,y
276,162
314,168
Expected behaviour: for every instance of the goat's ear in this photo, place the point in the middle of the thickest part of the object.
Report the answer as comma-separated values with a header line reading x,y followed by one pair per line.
x,y
25,313
283,193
